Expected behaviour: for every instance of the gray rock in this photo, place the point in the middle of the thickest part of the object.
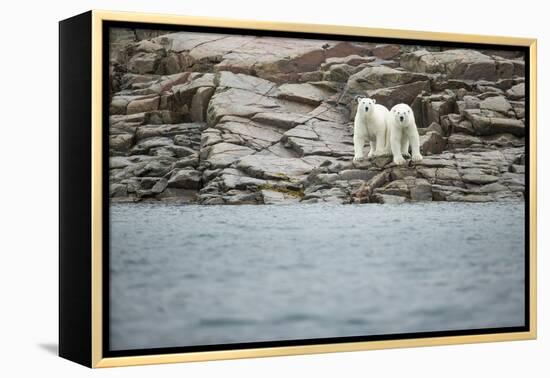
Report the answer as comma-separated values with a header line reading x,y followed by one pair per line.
x,y
385,51
143,62
143,105
149,131
497,104
238,102
479,178
118,105
462,64
432,143
355,174
235,179
493,188
517,168
189,161
431,108
117,190
516,92
421,190
388,199
339,72
504,140
254,135
121,142
223,154
457,197
159,186
351,60
463,141
305,93
178,195
153,168
486,125
185,178
272,197
199,103
371,78
395,188
235,197
145,145
269,167
405,93
147,183
282,120
277,128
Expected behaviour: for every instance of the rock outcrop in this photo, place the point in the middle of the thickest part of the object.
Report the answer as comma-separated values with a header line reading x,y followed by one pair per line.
x,y
227,119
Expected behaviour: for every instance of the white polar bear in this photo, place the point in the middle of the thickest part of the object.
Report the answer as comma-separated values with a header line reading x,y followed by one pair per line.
x,y
370,124
402,132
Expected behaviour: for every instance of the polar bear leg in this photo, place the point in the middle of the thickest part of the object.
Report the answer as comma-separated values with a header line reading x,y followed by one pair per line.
x,y
414,139
358,146
405,148
380,144
395,144
372,149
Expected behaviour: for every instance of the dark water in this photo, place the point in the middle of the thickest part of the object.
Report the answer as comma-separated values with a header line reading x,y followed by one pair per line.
x,y
195,275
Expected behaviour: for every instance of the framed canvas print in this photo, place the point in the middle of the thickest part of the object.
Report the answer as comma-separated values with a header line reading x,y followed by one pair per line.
x,y
235,189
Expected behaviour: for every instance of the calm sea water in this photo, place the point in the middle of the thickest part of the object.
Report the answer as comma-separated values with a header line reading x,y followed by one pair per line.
x,y
197,275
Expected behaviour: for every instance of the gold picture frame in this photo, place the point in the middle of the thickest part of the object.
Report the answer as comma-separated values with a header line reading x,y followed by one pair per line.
x,y
94,334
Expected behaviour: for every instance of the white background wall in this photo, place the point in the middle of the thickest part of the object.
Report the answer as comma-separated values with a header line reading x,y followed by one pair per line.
x,y
28,186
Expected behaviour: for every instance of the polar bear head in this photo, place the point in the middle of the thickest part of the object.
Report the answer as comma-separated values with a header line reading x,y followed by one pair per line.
x,y
402,114
365,104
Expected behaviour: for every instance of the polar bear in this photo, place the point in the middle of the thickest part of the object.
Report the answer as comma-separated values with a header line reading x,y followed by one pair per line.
x,y
402,132
370,125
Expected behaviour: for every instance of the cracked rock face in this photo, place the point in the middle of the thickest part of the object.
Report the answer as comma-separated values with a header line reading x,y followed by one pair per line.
x,y
232,119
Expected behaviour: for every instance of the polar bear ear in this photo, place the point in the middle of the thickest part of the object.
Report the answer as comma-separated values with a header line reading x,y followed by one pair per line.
x,y
374,101
358,98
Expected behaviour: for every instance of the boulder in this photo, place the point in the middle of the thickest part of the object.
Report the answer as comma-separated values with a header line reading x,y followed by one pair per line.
x,y
516,92
117,190
185,178
273,197
405,93
497,104
270,167
460,63
170,130
238,102
339,72
282,120
353,60
458,140
479,178
121,142
253,135
378,77
221,155
305,93
490,125
143,62
145,145
386,51
245,82
143,105
432,143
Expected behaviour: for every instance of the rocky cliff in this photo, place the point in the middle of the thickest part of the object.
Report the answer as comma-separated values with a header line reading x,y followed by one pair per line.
x,y
227,119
